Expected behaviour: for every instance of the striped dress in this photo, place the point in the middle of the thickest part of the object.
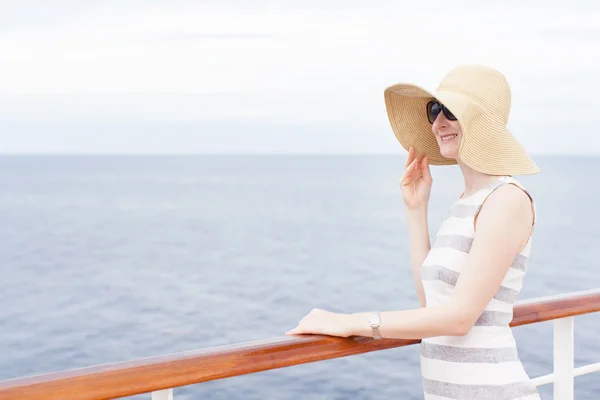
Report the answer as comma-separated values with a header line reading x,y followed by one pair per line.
x,y
484,364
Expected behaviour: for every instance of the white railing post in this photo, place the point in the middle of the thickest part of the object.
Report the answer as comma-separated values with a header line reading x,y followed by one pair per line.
x,y
166,394
564,358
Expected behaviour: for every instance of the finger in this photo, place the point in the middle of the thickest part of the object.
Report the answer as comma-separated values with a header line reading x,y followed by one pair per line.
x,y
410,167
409,173
295,331
413,164
425,168
411,157
418,169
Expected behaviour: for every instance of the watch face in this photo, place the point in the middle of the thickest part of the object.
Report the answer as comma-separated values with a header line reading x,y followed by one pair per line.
x,y
375,321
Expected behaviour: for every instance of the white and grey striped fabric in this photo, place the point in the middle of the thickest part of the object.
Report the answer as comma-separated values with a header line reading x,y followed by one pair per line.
x,y
484,364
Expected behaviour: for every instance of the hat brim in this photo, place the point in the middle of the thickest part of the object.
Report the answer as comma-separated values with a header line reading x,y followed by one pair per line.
x,y
406,109
486,146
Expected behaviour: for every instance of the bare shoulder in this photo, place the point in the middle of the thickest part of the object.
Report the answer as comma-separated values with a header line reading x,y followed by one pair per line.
x,y
507,209
510,201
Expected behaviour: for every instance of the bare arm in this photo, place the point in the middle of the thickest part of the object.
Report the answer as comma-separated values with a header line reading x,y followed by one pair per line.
x,y
503,228
416,185
419,241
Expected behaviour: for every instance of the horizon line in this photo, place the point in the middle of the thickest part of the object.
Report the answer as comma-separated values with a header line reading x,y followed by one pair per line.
x,y
262,154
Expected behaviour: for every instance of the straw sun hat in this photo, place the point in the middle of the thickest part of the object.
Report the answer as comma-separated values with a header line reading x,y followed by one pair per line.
x,y
480,99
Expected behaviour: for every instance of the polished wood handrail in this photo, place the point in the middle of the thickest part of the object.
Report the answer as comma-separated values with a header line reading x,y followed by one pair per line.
x,y
167,371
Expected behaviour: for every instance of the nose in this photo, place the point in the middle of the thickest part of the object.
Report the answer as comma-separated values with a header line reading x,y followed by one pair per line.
x,y
440,122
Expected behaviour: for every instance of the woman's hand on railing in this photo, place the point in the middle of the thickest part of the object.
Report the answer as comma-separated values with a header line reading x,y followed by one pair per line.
x,y
323,322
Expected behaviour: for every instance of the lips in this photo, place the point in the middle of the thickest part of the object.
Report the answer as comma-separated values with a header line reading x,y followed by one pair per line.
x,y
447,137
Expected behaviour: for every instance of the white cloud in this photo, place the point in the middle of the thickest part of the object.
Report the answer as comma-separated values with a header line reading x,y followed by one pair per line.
x,y
290,65
203,50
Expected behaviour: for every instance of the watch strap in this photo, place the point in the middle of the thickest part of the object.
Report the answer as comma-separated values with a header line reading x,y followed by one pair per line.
x,y
375,323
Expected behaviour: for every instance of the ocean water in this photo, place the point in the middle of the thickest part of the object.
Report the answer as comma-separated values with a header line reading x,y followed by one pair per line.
x,y
113,258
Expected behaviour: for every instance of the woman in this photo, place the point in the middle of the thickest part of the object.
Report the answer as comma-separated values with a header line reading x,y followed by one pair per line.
x,y
468,281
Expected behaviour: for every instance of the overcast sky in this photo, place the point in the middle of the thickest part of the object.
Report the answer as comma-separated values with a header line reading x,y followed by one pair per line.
x,y
128,76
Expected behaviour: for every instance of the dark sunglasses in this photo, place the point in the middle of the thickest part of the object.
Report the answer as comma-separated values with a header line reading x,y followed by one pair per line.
x,y
433,110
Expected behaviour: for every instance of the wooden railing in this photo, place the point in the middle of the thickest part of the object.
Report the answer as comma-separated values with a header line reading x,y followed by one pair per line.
x,y
160,374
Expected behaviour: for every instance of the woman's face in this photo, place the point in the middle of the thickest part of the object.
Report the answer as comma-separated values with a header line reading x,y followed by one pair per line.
x,y
448,135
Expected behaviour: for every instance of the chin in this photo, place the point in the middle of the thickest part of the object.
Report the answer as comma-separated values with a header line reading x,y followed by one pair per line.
x,y
449,153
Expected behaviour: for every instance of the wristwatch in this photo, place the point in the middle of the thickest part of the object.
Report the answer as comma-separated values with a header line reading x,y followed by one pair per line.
x,y
374,322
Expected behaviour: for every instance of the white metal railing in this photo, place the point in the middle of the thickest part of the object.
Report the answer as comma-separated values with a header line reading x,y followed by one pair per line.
x,y
166,394
564,361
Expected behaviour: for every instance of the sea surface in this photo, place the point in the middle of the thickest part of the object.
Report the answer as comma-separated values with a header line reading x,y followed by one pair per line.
x,y
113,258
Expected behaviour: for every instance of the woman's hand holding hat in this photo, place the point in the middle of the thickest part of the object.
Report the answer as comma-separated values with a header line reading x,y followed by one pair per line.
x,y
416,181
